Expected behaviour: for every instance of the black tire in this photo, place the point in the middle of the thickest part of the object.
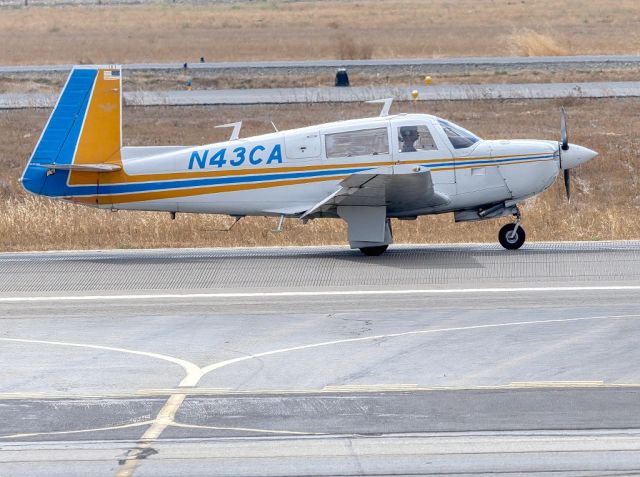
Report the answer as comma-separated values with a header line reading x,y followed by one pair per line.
x,y
511,243
374,251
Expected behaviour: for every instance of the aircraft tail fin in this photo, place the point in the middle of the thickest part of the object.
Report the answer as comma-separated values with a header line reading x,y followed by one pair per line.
x,y
83,136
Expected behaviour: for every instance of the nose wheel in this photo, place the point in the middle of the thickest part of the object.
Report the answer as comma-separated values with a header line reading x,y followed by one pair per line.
x,y
512,236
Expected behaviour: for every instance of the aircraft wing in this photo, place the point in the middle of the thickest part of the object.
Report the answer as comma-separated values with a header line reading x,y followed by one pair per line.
x,y
399,188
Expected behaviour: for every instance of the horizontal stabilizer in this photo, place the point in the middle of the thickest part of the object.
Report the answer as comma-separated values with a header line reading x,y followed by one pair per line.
x,y
104,167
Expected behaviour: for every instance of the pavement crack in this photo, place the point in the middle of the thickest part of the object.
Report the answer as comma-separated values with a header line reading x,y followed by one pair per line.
x,y
354,454
366,324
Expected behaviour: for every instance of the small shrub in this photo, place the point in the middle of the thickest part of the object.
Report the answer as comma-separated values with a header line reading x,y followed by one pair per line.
x,y
351,49
531,43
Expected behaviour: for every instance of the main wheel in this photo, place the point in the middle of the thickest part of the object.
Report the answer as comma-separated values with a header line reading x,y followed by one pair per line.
x,y
510,240
374,251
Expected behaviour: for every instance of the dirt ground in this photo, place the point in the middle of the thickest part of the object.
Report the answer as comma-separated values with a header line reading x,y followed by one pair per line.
x,y
280,29
605,201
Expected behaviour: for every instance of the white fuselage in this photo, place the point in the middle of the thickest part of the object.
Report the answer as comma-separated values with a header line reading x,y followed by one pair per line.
x,y
286,173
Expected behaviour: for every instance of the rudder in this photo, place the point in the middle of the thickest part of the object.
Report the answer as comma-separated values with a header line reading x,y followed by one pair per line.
x,y
83,135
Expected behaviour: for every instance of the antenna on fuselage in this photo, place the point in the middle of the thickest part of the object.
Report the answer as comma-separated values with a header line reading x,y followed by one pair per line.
x,y
235,134
385,107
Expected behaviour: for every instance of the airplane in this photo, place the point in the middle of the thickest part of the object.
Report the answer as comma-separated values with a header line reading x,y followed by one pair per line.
x,y
363,171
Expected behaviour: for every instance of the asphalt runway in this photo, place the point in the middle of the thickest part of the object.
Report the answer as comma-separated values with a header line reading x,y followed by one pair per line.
x,y
605,89
434,359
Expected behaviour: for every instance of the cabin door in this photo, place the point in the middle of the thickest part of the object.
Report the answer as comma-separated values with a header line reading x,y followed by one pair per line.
x,y
414,142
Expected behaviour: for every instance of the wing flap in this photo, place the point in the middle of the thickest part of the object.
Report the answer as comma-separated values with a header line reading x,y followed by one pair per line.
x,y
399,188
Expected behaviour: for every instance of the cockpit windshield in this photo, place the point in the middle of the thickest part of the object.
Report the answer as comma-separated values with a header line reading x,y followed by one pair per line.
x,y
460,138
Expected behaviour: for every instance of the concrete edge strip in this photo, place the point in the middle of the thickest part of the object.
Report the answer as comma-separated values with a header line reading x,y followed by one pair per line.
x,y
329,390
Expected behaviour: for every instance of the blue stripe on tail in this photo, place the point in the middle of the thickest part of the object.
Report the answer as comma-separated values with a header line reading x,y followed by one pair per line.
x,y
60,137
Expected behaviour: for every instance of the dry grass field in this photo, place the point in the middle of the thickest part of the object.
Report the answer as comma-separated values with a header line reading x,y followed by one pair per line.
x,y
279,29
605,203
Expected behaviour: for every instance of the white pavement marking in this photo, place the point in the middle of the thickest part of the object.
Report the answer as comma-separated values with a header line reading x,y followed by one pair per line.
x,y
78,431
193,370
245,429
320,293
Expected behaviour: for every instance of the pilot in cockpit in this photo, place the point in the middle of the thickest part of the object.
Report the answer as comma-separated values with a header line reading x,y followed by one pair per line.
x,y
408,137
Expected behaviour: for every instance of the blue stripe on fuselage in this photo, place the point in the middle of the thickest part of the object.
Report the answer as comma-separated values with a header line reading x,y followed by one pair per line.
x,y
194,183
187,183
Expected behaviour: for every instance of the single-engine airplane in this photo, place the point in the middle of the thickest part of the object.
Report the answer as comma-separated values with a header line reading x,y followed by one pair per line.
x,y
364,171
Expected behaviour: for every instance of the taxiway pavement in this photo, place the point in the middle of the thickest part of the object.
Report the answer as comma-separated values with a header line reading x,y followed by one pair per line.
x,y
320,361
467,92
431,64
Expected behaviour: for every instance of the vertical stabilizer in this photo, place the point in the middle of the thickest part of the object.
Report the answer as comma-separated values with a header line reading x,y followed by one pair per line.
x,y
83,135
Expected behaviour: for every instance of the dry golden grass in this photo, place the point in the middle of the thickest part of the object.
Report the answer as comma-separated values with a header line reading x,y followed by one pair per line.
x,y
604,206
349,48
278,29
532,43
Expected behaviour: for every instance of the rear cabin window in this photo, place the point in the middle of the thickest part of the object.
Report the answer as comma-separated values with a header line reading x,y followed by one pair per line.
x,y
366,142
415,138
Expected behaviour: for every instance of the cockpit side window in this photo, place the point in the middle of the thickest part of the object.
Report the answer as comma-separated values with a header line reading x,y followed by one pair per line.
x,y
460,138
415,138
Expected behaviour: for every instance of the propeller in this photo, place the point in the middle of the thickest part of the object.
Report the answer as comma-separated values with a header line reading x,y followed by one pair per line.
x,y
567,183
563,130
564,146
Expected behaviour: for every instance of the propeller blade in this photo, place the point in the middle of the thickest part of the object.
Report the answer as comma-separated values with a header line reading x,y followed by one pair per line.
x,y
563,129
567,183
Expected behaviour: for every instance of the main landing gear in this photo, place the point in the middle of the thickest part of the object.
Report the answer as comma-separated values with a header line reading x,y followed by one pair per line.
x,y
374,251
512,236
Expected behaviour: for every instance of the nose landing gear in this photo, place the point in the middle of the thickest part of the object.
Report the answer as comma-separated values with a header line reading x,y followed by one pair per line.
x,y
512,236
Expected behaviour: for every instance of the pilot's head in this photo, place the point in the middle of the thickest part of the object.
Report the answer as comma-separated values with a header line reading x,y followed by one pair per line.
x,y
409,133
